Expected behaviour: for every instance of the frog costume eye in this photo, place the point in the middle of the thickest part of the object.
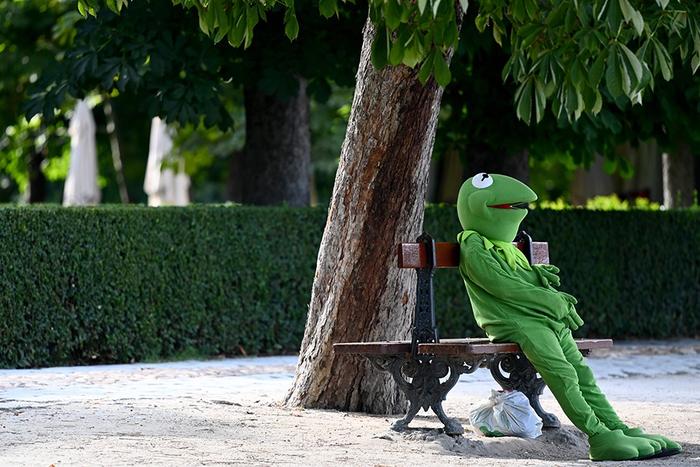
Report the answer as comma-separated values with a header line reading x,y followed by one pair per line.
x,y
482,180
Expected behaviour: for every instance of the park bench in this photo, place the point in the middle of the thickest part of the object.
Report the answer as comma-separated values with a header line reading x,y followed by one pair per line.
x,y
427,368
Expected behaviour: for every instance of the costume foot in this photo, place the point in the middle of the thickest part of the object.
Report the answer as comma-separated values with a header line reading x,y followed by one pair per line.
x,y
614,445
668,447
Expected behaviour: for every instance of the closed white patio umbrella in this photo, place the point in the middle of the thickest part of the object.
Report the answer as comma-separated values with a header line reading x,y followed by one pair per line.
x,y
163,186
81,186
182,186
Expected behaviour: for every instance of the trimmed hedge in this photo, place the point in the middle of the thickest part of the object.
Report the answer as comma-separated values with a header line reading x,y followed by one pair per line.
x,y
117,284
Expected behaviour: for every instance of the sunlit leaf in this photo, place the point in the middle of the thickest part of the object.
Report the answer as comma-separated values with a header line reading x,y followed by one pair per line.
x,y
524,102
435,4
291,26
426,68
328,8
634,64
441,70
464,4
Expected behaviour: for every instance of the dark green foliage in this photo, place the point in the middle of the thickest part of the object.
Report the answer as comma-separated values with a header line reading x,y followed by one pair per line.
x,y
157,51
119,284
153,51
636,273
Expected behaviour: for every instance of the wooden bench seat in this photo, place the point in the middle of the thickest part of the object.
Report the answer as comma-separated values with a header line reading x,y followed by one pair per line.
x,y
451,347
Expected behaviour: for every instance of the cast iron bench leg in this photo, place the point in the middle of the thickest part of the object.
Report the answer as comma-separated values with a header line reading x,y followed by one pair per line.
x,y
421,382
452,426
522,377
402,424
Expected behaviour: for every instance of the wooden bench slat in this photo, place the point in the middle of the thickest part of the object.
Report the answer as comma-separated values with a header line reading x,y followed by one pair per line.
x,y
414,255
373,348
459,347
451,347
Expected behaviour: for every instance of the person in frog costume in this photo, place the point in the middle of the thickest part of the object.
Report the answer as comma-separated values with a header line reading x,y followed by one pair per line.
x,y
515,301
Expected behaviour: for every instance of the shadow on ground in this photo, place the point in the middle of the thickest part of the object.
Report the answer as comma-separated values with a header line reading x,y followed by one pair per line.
x,y
565,444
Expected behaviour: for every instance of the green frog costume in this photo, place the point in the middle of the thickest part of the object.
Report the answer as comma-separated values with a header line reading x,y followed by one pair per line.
x,y
515,301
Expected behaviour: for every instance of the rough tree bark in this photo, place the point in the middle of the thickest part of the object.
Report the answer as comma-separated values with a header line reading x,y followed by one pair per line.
x,y
679,177
275,163
377,202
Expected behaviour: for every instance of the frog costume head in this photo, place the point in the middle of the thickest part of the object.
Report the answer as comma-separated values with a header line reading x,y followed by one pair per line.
x,y
493,205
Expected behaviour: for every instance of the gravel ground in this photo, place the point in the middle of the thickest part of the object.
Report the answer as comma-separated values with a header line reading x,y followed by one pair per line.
x,y
229,412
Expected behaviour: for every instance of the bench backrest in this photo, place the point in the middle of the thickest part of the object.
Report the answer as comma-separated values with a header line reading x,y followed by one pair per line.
x,y
425,255
415,255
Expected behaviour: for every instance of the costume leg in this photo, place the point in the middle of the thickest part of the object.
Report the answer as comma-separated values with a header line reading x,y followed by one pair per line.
x,y
597,400
589,388
541,346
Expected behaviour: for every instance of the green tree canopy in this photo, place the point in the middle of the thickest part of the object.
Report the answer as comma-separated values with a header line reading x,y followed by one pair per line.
x,y
566,53
478,112
157,51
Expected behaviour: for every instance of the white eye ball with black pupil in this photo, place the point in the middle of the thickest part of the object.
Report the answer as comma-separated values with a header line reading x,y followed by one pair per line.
x,y
482,180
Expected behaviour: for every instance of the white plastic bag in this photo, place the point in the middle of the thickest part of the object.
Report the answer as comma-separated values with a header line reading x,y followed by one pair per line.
x,y
507,413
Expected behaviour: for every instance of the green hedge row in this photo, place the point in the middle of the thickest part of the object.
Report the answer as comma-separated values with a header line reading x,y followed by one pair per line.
x,y
116,284
121,284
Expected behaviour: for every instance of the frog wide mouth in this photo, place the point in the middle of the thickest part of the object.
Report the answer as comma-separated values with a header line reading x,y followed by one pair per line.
x,y
518,205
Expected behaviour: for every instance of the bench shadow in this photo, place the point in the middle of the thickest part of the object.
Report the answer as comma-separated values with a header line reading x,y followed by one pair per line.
x,y
564,444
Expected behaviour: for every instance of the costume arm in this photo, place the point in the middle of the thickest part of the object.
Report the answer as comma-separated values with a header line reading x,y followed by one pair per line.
x,y
480,267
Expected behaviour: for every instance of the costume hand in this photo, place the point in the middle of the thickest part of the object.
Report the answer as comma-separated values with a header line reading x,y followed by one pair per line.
x,y
572,320
570,299
547,274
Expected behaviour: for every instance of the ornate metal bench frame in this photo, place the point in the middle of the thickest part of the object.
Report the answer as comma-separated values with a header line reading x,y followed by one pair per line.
x,y
426,382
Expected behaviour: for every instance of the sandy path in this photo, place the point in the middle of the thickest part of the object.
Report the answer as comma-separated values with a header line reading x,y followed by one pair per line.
x,y
227,412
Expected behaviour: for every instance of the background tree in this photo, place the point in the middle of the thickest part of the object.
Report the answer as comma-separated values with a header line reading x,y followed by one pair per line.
x,y
279,77
157,52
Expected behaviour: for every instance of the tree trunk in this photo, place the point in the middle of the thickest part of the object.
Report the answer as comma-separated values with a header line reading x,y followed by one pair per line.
x,y
359,294
451,171
233,182
647,179
117,163
36,190
678,175
275,163
514,165
591,182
